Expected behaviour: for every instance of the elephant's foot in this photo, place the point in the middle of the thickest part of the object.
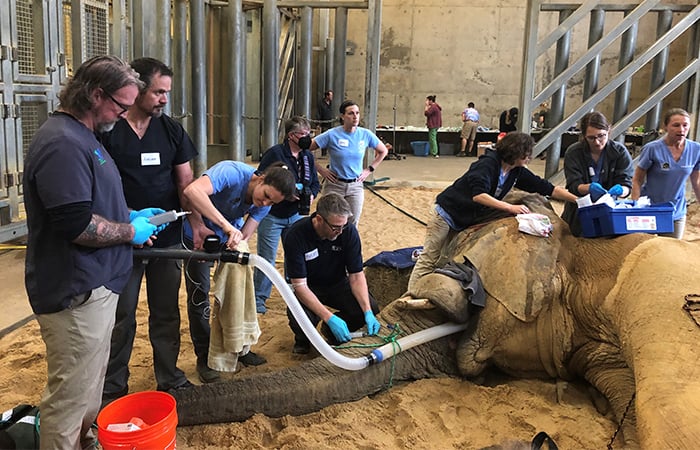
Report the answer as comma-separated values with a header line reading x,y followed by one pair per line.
x,y
414,303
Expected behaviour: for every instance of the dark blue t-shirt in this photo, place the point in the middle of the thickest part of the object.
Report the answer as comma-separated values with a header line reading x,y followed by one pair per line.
x,y
66,164
146,166
322,262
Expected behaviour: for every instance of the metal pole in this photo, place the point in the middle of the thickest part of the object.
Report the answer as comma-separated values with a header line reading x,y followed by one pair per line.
x,y
658,70
374,39
341,36
118,34
556,111
199,86
302,105
595,32
163,40
691,91
622,94
527,88
179,87
270,73
330,73
76,32
236,79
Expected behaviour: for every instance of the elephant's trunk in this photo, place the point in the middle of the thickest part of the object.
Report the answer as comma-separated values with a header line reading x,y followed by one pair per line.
x,y
308,387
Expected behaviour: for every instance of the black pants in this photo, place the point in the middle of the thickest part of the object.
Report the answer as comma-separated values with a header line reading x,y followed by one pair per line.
x,y
162,286
338,297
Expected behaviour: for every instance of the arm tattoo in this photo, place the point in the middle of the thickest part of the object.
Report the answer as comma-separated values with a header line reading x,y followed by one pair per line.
x,y
100,232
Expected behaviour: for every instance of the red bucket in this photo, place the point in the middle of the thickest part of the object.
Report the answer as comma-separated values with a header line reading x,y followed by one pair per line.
x,y
154,412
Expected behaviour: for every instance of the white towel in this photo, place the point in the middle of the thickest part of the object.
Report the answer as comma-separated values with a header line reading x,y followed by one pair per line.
x,y
234,319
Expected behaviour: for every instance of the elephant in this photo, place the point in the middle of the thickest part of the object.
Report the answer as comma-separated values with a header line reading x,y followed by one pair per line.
x,y
607,310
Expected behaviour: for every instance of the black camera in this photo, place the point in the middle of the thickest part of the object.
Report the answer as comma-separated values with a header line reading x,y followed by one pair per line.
x,y
305,196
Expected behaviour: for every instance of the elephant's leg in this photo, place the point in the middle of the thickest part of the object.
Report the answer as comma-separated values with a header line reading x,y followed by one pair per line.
x,y
446,293
601,365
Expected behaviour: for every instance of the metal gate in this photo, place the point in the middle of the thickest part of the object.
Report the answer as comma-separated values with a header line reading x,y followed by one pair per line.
x,y
35,59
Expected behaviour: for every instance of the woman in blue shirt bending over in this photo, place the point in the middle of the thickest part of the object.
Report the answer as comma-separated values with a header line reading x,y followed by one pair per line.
x,y
665,165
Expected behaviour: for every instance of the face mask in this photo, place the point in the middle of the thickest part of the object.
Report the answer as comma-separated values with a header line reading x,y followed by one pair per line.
x,y
304,142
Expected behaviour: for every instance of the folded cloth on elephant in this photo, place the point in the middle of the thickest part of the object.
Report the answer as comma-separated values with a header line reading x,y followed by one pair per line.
x,y
468,278
396,259
234,319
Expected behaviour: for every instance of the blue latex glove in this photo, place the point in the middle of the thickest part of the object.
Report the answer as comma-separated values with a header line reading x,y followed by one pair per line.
x,y
596,191
339,329
145,212
615,191
373,325
143,230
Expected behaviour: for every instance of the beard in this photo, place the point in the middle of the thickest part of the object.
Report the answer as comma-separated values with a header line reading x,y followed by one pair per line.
x,y
157,111
105,127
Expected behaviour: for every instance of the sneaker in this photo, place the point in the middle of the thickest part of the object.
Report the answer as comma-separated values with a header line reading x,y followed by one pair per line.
x,y
251,359
184,385
109,397
436,156
301,348
206,373
461,154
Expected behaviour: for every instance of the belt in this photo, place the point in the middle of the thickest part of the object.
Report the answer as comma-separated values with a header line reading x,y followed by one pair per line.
x,y
347,180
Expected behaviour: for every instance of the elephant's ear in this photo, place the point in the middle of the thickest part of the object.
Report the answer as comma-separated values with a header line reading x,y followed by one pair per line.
x,y
517,269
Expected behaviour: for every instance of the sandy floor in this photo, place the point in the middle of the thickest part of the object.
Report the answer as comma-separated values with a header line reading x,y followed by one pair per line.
x,y
427,414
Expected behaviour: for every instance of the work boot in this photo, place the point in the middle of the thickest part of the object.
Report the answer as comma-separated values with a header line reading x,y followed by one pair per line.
x,y
301,348
251,359
206,373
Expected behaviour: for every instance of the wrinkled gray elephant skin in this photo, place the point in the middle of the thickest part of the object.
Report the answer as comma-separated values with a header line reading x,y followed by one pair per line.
x,y
605,310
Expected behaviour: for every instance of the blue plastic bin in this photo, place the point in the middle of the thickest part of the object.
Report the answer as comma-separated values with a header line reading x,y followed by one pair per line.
x,y
602,220
420,148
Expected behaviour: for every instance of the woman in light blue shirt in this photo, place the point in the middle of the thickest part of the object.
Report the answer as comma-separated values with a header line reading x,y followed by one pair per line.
x,y
347,145
666,164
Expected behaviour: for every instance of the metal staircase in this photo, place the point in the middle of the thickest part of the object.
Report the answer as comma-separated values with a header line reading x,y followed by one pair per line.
x,y
551,67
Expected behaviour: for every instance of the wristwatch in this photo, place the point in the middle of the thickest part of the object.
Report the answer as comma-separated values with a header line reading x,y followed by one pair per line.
x,y
371,168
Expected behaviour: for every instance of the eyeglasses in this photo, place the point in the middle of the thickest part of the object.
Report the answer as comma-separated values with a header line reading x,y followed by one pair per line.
x,y
334,228
599,137
123,107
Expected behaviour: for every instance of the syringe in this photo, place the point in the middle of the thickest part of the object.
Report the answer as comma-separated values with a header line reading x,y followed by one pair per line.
x,y
168,216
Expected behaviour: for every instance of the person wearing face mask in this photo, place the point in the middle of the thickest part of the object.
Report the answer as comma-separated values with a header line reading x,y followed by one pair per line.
x,y
294,153
595,165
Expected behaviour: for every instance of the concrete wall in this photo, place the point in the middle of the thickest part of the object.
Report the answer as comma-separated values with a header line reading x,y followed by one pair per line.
x,y
465,52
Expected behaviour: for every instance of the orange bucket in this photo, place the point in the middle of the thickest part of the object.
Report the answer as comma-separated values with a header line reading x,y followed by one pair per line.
x,y
154,415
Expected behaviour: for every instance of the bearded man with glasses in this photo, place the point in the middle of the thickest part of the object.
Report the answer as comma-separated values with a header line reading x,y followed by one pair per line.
x,y
323,257
595,165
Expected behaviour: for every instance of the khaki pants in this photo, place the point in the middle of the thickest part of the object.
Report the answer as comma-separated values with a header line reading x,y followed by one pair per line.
x,y
77,350
353,193
437,234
